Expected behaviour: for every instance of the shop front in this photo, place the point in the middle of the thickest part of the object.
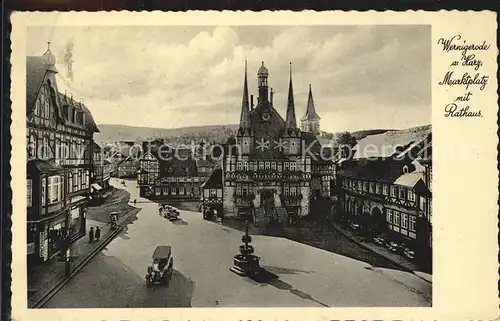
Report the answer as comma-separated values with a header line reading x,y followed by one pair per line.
x,y
76,217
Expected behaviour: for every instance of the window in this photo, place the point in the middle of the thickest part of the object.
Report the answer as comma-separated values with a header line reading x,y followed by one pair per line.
x,y
412,223
286,190
360,185
411,195
385,189
244,165
181,190
165,191
389,215
29,191
393,191
293,166
273,165
261,165
377,188
372,187
404,220
365,186
293,190
238,166
173,191
286,166
267,165
396,218
55,189
405,169
244,190
402,192
157,191
213,192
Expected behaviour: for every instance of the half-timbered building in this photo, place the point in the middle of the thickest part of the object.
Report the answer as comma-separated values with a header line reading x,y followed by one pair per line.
x,y
273,166
59,161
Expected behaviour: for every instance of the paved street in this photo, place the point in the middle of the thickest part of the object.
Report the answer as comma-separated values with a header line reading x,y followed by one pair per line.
x,y
307,276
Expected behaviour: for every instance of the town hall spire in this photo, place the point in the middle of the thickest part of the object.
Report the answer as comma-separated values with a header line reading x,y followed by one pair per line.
x,y
291,122
245,106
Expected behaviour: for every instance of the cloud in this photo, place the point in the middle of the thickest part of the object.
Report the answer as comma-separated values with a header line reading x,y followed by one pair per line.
x,y
181,76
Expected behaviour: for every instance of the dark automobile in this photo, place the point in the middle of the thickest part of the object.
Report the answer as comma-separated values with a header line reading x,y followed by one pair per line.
x,y
160,270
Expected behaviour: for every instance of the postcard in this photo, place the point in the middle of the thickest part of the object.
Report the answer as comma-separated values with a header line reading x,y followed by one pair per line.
x,y
254,165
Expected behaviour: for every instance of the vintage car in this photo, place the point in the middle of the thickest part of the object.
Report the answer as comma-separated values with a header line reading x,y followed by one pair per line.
x,y
160,270
172,214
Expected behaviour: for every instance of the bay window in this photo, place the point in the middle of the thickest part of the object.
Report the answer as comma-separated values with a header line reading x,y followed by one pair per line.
x,y
55,189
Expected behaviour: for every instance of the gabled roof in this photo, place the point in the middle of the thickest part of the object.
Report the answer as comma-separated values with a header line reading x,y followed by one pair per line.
x,y
381,170
215,180
35,74
36,71
96,147
410,179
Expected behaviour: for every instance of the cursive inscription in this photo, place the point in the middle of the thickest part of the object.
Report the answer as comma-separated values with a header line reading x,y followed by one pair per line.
x,y
471,79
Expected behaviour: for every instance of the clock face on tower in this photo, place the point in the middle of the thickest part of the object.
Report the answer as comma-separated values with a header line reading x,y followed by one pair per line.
x,y
266,115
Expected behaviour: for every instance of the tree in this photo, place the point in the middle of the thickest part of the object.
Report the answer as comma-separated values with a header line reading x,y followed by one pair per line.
x,y
346,141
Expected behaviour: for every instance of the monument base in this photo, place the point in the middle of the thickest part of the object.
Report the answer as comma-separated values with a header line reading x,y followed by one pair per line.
x,y
245,265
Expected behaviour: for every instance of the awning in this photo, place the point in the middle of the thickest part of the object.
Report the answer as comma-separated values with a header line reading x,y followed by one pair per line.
x,y
96,186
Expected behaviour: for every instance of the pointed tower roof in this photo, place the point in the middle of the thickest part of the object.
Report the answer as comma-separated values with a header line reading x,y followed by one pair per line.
x,y
245,106
291,122
310,111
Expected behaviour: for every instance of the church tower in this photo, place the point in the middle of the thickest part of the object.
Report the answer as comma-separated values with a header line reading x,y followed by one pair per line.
x,y
244,135
310,121
291,135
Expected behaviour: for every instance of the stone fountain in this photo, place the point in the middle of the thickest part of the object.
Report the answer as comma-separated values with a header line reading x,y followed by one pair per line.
x,y
246,263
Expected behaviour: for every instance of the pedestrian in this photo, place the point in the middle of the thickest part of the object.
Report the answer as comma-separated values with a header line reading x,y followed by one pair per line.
x,y
91,235
97,233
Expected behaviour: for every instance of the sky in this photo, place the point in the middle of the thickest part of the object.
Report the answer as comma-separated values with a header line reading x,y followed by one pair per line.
x,y
362,77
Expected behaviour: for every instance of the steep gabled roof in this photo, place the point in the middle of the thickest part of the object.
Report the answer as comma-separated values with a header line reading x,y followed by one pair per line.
x,y
35,74
381,170
214,181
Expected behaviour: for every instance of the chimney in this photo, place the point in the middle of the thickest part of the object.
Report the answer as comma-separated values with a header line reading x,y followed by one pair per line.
x,y
271,97
251,102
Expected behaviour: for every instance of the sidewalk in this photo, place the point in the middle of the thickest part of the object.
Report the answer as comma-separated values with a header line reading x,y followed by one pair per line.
x,y
44,277
382,251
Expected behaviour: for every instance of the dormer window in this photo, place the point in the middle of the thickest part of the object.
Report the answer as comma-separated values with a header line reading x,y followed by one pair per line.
x,y
405,169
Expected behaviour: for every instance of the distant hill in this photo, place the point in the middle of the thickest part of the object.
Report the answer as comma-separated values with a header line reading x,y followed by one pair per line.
x,y
184,135
114,133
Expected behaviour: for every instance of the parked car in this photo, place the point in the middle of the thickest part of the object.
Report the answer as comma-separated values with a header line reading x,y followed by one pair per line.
x,y
379,240
410,254
353,225
392,246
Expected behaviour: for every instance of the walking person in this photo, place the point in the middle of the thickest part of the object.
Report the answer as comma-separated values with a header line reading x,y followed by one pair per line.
x,y
97,233
91,235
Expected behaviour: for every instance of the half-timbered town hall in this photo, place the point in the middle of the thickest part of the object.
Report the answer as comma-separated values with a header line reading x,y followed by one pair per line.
x,y
275,169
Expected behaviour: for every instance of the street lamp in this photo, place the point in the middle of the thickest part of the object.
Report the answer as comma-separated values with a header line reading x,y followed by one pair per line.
x,y
246,263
